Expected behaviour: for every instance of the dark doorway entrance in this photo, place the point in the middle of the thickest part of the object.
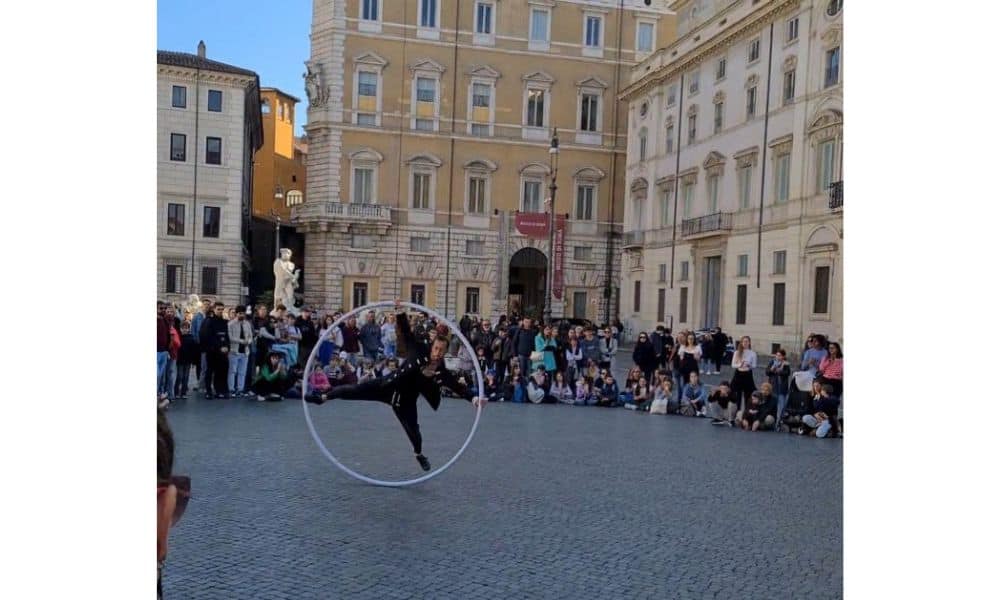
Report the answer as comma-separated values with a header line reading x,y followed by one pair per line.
x,y
526,295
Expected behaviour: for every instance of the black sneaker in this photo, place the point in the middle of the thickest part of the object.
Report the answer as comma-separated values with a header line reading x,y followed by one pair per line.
x,y
424,463
313,399
718,422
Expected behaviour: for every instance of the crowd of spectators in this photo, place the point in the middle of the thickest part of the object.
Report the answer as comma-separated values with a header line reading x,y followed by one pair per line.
x,y
235,352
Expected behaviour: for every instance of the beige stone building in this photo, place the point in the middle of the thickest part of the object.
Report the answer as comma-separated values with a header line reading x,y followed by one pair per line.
x,y
733,208
429,127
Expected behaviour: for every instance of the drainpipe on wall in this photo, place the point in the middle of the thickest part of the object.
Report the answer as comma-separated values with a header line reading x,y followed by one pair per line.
x,y
763,156
451,164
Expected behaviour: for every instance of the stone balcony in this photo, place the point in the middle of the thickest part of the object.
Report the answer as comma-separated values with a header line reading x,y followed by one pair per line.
x,y
633,239
343,216
836,196
714,224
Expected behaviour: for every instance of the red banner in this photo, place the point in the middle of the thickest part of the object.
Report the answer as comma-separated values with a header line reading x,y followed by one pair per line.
x,y
536,226
559,240
533,225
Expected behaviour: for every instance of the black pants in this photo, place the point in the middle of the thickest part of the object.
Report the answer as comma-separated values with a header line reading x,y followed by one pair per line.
x,y
743,386
379,391
501,368
216,372
717,357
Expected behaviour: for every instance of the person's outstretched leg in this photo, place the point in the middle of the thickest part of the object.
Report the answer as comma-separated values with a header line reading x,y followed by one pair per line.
x,y
406,412
374,389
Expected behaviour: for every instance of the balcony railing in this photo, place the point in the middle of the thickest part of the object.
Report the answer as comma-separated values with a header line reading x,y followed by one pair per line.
x,y
631,239
707,225
836,195
342,211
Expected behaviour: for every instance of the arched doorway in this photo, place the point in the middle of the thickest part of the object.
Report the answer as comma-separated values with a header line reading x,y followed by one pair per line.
x,y
526,294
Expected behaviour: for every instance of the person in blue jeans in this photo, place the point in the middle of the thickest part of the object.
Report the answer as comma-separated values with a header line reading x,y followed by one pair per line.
x,y
240,340
778,371
693,397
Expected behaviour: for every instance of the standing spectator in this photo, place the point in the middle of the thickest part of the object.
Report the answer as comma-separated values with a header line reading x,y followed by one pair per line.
x,y
288,341
307,329
831,369
719,342
162,347
574,359
524,344
656,338
590,346
173,349
189,355
609,348
546,345
706,354
197,320
240,340
371,337
644,355
690,355
501,354
722,405
326,347
465,325
813,356
389,335
501,324
351,335
215,343
778,371
744,362
483,338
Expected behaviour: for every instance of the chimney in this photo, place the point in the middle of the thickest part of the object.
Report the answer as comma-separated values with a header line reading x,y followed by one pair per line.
x,y
201,49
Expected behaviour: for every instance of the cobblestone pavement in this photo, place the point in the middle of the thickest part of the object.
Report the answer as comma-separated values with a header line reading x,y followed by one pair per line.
x,y
547,502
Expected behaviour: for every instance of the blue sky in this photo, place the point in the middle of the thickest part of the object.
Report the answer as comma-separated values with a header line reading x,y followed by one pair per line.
x,y
271,38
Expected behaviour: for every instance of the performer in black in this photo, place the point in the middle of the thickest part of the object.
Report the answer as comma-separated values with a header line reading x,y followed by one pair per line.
x,y
422,372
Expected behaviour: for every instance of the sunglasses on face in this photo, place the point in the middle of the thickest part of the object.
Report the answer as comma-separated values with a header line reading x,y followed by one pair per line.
x,y
183,485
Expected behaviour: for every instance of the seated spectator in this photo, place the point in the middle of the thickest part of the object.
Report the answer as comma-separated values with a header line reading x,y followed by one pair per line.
x,y
492,387
481,359
607,393
585,393
751,417
693,397
593,371
538,385
642,398
722,405
390,367
319,384
272,382
561,390
662,397
366,370
800,405
768,406
513,390
831,369
823,423
343,373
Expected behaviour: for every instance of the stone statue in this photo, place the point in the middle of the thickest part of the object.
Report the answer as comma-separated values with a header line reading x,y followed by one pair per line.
x,y
286,281
316,89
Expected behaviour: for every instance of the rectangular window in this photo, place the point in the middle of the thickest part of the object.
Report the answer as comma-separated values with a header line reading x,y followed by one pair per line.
x,y
751,102
418,293
741,304
821,291
670,139
746,183
173,279
695,82
421,190
363,191
779,262
665,207
583,253
480,130
532,196
661,304
713,194
579,305
475,247
178,147
423,124
367,84
428,13
539,25
420,244
637,296
685,270
717,125
662,273
792,30
588,112
359,294
210,221
214,101
682,309
642,146
477,195
213,151
425,89
672,95
369,10
788,89
179,97
366,119
210,280
175,219
754,52
688,200
484,18
362,242
720,69
692,128
584,202
832,74
825,170
778,306
536,108
782,177
644,37
472,300
742,265
480,95
592,39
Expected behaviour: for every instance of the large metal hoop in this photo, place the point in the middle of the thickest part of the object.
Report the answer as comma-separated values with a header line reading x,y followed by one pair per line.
x,y
312,429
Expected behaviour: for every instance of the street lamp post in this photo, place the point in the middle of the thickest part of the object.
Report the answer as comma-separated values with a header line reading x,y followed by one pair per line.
x,y
554,167
279,194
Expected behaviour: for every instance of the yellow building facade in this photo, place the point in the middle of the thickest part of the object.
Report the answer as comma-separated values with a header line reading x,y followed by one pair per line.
x,y
279,174
430,125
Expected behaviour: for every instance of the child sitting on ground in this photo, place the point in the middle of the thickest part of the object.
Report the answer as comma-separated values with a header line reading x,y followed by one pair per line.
x,y
693,397
561,390
492,387
641,398
585,395
607,393
751,417
662,397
